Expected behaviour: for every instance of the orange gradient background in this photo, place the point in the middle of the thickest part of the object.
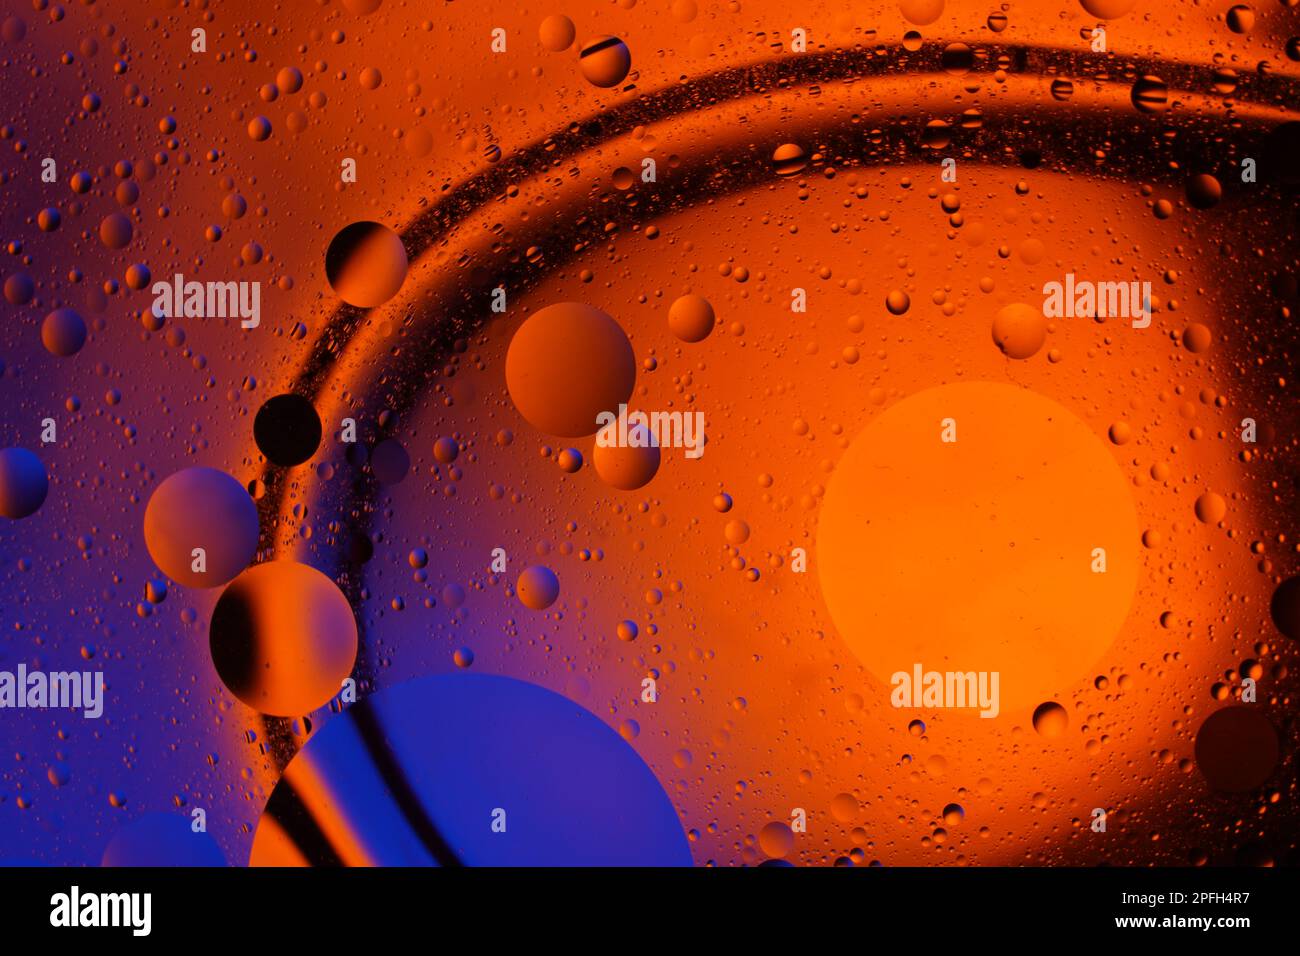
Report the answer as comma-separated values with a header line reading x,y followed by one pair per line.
x,y
822,425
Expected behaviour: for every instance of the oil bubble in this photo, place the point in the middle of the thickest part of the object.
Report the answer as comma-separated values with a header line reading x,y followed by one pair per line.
x,y
537,587
283,637
287,429
691,318
605,61
63,332
1051,720
366,264
201,509
567,364
23,483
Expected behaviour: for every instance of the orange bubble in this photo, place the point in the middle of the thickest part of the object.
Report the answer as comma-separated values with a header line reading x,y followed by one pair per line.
x,y
1237,749
898,302
1019,330
115,230
776,839
1211,508
537,587
921,12
978,554
1197,337
691,318
418,142
1108,9
605,61
628,467
789,158
366,264
844,807
201,527
259,129
1051,720
737,532
566,365
63,332
556,33
283,638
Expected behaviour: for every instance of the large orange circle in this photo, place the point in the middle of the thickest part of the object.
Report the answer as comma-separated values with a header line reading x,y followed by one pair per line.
x,y
978,554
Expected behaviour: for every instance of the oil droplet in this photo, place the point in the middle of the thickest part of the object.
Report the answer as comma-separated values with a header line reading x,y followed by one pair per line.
x,y
1236,749
1050,720
1204,191
283,638
63,332
631,466
921,12
1019,330
537,587
788,159
1108,9
1211,508
201,508
1240,19
605,61
366,264
776,839
287,429
844,807
691,318
556,33
115,230
1062,90
259,129
957,59
1284,608
897,302
1149,94
23,483
567,364
1197,338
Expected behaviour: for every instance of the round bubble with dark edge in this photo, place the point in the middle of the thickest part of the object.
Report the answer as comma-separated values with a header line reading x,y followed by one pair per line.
x,y
23,483
430,771
287,429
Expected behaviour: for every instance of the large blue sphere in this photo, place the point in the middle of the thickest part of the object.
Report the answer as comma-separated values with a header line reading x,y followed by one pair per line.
x,y
472,770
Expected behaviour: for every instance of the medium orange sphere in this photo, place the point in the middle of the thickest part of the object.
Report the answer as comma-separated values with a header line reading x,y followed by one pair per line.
x,y
628,467
566,365
691,318
283,638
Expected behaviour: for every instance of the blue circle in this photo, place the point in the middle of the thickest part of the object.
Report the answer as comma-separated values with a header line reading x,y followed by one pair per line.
x,y
23,483
474,770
